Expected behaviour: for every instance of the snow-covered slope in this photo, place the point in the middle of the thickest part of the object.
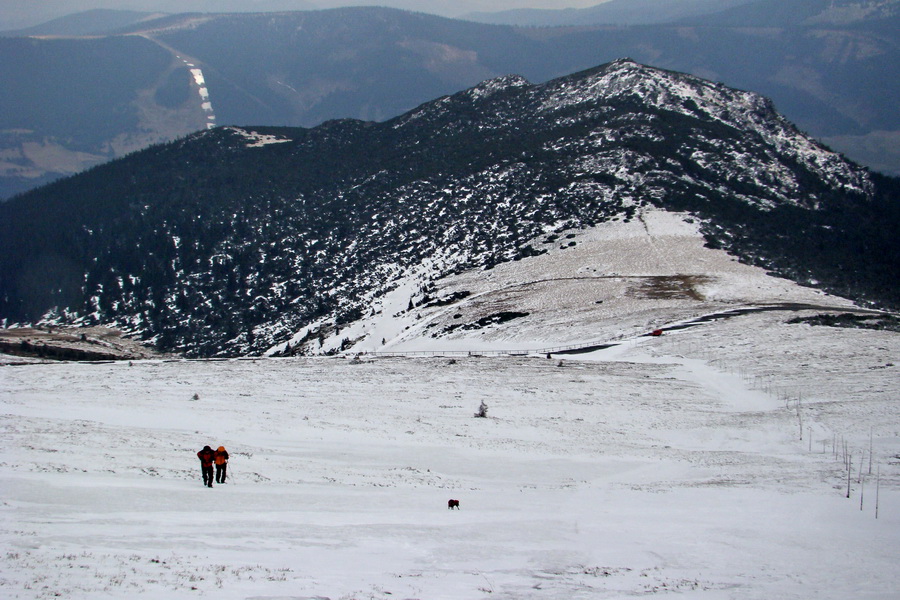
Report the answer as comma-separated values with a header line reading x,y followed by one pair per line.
x,y
668,466
617,280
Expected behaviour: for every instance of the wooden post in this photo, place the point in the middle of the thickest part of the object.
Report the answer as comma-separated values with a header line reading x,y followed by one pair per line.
x,y
862,491
861,461
849,472
870,450
877,490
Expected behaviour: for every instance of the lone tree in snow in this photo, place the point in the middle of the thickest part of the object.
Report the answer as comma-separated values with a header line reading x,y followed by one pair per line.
x,y
482,410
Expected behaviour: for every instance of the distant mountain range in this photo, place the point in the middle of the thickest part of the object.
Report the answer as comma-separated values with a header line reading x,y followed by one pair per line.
x,y
89,22
732,13
233,240
39,16
613,12
72,102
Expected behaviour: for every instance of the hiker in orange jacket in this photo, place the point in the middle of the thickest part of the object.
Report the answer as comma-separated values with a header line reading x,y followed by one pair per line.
x,y
221,458
207,456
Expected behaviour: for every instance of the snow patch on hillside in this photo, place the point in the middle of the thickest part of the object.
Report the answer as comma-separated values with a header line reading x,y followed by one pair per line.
x,y
492,86
258,140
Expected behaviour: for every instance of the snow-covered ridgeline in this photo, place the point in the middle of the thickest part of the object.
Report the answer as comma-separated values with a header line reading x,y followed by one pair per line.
x,y
681,93
745,112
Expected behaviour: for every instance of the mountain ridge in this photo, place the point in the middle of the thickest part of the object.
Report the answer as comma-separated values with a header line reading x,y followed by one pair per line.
x,y
231,240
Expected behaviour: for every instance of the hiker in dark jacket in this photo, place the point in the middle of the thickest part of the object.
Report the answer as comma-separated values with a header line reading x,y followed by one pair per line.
x,y
207,456
221,463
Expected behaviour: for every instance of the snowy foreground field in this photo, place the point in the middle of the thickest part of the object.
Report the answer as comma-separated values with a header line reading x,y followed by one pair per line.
x,y
667,466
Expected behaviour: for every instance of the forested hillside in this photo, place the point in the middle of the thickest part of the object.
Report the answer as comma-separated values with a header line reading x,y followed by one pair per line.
x,y
232,239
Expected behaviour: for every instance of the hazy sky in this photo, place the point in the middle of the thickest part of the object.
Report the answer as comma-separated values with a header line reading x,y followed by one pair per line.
x,y
24,13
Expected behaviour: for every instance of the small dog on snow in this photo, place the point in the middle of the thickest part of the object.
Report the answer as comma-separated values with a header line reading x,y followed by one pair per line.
x,y
451,504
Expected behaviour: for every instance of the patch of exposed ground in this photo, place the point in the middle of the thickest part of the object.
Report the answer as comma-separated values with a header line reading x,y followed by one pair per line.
x,y
668,287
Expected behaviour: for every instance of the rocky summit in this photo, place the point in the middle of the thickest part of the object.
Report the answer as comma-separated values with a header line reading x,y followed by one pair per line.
x,y
230,241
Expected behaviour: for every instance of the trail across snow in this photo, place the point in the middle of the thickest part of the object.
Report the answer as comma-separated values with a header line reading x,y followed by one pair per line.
x,y
664,466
